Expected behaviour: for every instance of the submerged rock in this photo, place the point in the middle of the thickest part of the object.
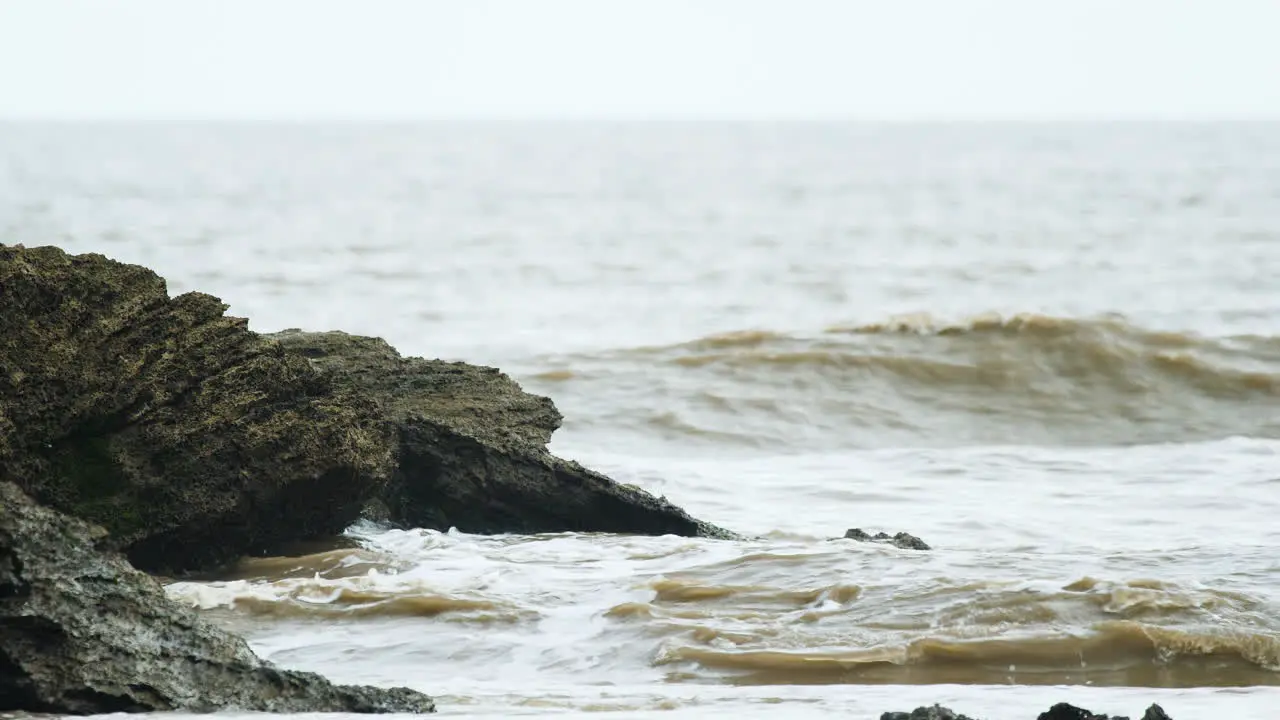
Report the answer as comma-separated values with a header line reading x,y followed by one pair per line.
x,y
472,449
81,632
902,540
1066,711
934,712
1061,711
190,438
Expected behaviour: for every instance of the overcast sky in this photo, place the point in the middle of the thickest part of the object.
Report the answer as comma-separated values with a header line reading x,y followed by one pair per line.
x,y
397,59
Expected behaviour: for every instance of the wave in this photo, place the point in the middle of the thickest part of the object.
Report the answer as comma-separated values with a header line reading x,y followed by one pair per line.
x,y
1027,377
555,375
714,628
806,613
1020,352
676,590
321,598
330,564
1115,653
1030,324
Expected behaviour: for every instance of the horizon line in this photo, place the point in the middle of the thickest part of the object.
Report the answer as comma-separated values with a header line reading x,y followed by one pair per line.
x,y
393,119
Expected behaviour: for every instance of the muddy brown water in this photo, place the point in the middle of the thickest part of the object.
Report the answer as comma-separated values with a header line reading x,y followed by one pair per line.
x,y
1050,351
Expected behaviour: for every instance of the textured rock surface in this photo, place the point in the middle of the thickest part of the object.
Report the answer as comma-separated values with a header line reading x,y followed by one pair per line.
x,y
195,441
472,449
187,436
82,632
903,540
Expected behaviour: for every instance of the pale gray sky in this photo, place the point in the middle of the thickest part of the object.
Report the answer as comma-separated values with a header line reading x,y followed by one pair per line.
x,y
395,59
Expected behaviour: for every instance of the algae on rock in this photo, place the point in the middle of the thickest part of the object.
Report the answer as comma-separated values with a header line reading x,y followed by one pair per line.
x,y
194,440
190,438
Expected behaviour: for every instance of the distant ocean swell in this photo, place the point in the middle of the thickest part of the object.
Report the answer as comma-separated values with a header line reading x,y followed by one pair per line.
x,y
1019,378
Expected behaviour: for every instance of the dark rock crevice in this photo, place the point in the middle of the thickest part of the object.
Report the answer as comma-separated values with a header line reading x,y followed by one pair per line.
x,y
471,450
446,479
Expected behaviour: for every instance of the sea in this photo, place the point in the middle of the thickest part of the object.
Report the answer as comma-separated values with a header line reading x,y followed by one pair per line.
x,y
1052,351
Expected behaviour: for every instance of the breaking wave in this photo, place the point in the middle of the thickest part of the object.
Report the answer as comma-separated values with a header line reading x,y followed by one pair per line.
x,y
371,596
1116,653
768,611
993,379
1139,632
1033,353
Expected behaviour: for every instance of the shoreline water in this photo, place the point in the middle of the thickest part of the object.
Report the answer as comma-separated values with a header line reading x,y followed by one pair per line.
x,y
1138,454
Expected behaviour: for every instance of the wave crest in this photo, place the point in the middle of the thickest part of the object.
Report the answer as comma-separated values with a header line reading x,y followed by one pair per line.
x,y
372,596
1022,378
1116,653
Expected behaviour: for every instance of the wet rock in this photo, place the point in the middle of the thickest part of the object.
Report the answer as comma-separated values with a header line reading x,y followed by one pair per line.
x,y
190,438
934,712
1061,711
472,453
81,632
1065,711
903,540
195,441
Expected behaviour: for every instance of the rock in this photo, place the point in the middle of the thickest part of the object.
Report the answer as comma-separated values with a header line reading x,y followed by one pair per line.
x,y
1061,711
903,540
195,441
1064,711
190,438
935,712
472,449
81,632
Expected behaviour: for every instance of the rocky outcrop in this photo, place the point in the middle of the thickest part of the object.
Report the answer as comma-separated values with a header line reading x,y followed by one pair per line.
x,y
185,441
82,632
1061,711
471,449
194,440
903,540
190,438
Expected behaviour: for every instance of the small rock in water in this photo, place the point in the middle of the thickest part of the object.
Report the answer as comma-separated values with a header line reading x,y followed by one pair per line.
x,y
903,540
1061,711
1065,711
935,712
1155,712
